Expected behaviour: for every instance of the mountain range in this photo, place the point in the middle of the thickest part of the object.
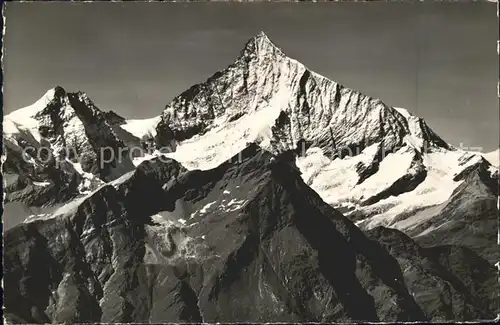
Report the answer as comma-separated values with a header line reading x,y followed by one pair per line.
x,y
267,193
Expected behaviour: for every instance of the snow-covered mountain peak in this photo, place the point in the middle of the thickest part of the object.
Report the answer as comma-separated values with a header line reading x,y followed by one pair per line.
x,y
51,96
262,35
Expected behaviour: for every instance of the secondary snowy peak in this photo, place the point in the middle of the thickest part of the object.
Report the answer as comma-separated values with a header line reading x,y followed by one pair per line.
x,y
57,142
283,103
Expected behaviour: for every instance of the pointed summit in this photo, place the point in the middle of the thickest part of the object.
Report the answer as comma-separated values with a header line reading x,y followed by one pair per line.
x,y
260,45
51,95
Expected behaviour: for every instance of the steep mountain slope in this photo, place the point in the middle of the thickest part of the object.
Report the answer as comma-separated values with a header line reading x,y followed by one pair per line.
x,y
267,249
247,203
377,164
58,148
493,157
143,129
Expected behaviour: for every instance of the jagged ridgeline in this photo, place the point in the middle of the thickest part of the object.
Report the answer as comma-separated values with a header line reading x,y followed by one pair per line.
x,y
267,193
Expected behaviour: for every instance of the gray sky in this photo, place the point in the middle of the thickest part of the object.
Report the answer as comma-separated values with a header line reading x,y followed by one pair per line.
x,y
437,60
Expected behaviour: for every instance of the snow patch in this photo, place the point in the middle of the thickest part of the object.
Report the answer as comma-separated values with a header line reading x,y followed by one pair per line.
x,y
42,216
334,179
142,128
87,232
390,170
493,170
403,111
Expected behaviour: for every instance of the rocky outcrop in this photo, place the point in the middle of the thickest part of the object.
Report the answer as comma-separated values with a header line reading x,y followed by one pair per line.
x,y
114,119
381,164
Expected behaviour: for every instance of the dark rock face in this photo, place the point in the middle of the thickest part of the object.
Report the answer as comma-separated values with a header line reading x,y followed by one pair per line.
x,y
41,272
285,263
247,241
449,282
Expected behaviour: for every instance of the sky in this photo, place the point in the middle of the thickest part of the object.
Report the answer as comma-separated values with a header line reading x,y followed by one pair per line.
x,y
438,60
